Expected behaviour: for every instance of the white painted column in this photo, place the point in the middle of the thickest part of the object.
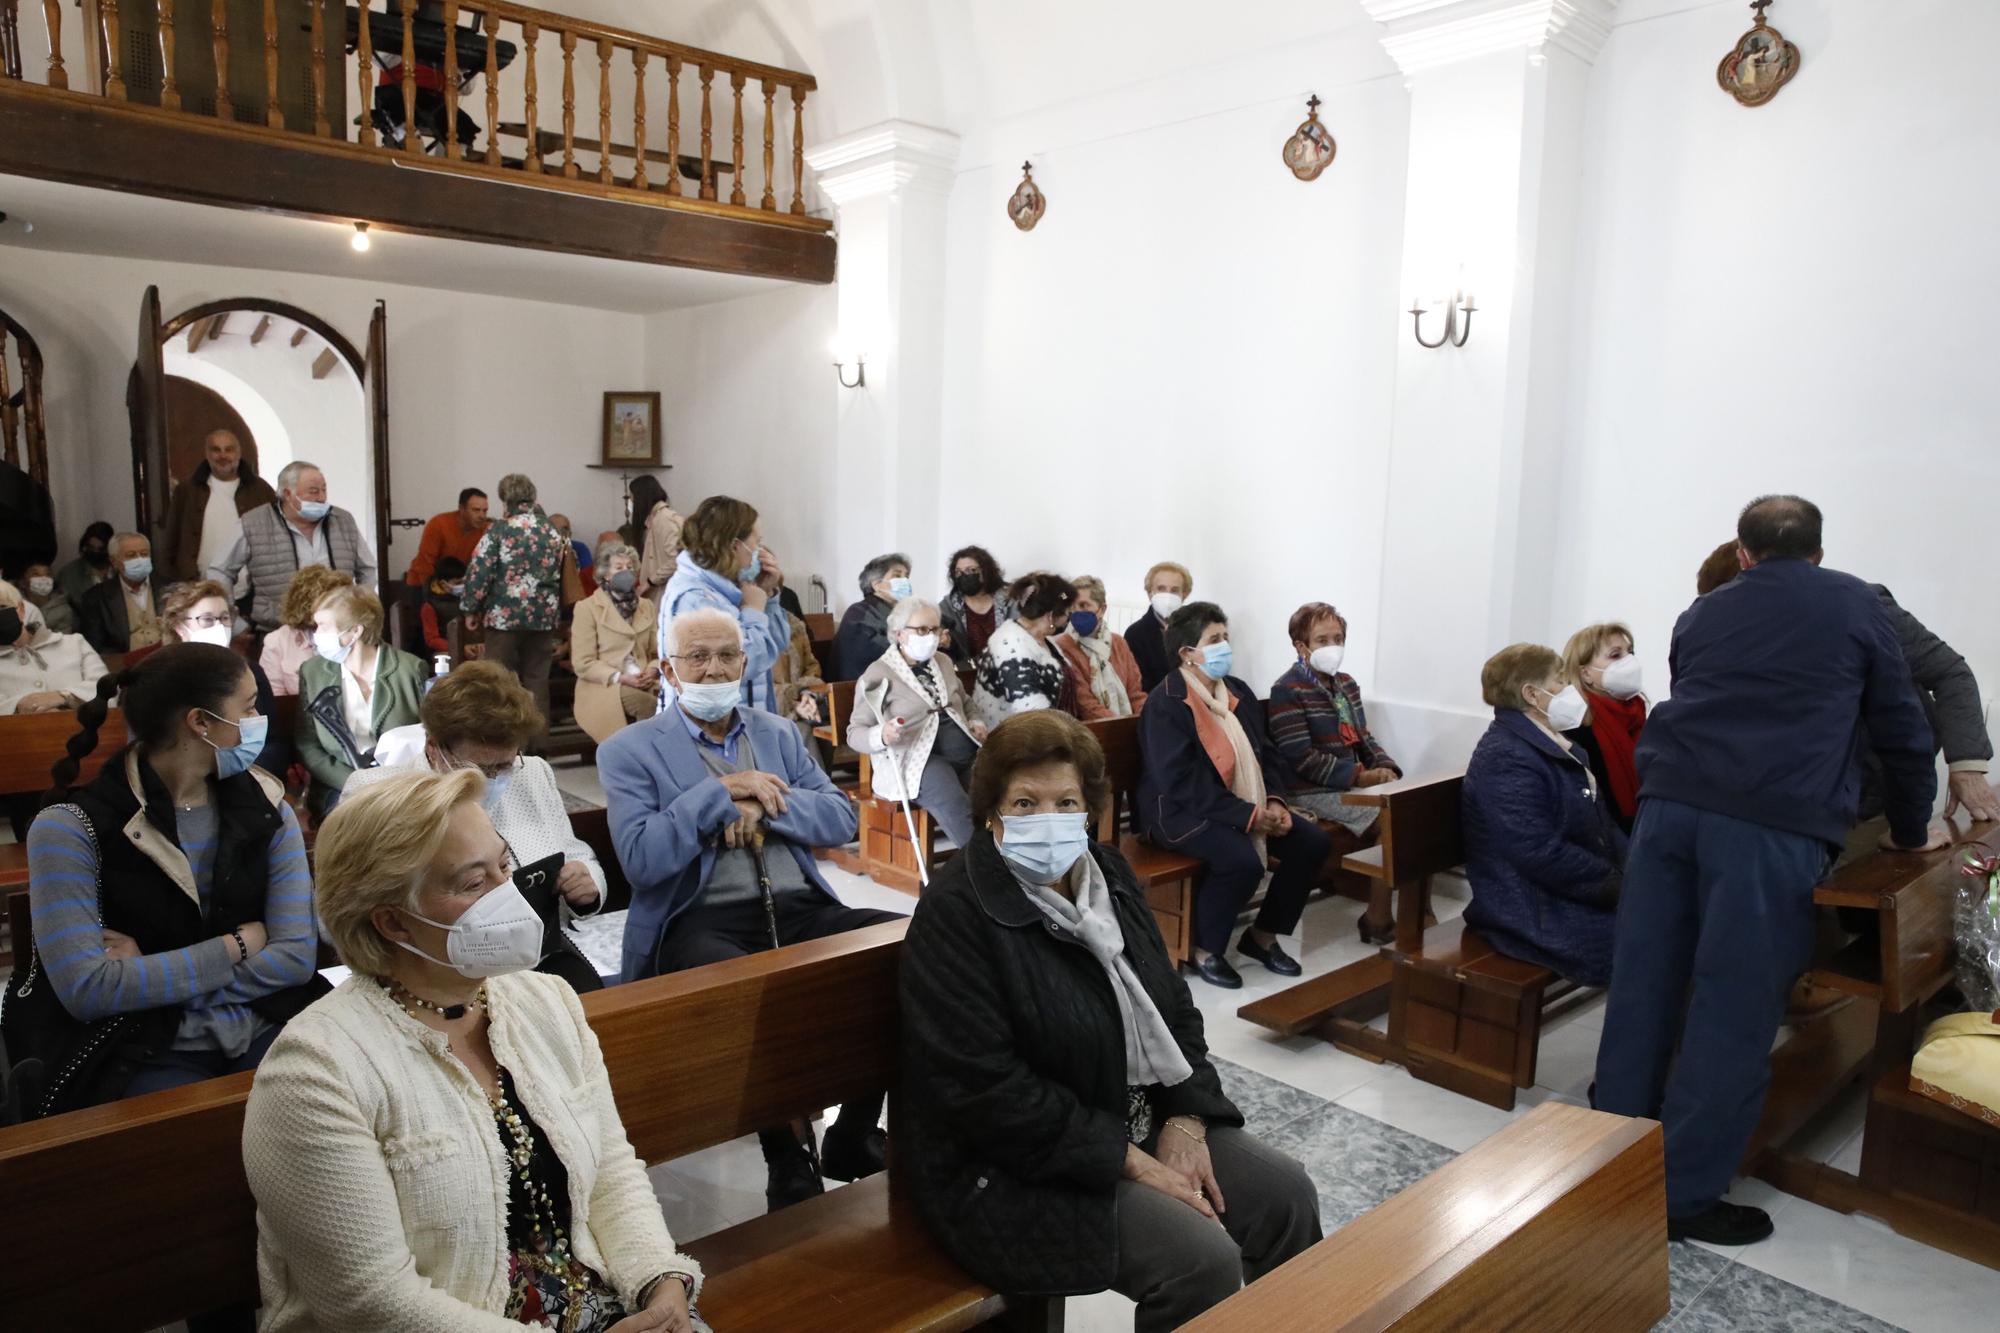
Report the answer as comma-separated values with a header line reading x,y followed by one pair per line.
x,y
1495,171
889,185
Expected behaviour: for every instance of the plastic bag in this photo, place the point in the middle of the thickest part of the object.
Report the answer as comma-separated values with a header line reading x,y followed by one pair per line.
x,y
1976,923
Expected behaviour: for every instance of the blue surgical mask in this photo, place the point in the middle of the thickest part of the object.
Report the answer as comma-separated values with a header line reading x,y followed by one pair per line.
x,y
710,701
496,787
237,758
1042,848
139,567
1083,623
901,588
314,510
749,572
326,642
1216,659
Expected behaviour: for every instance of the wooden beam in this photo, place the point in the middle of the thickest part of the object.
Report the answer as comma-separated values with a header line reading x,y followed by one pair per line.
x,y
200,332
298,336
78,139
323,363
263,327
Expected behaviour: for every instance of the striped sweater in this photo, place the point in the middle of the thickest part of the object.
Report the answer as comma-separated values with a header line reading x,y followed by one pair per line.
x,y
1321,732
205,978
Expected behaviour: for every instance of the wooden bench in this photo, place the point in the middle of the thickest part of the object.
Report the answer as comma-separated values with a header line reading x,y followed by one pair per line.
x,y
1168,877
761,1040
31,744
1558,1221
1467,1017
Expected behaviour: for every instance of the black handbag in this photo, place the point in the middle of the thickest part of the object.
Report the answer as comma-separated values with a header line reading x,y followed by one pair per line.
x,y
560,956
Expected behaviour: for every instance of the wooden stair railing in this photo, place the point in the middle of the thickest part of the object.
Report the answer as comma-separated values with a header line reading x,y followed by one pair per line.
x,y
394,76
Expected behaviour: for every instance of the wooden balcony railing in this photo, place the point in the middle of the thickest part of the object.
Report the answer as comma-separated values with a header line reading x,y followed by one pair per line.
x,y
489,88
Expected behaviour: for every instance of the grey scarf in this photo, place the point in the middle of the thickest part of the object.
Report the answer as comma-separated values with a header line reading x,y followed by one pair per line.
x,y
1152,1055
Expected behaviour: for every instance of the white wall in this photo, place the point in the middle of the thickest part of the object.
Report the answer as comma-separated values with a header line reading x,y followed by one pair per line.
x,y
479,386
1789,298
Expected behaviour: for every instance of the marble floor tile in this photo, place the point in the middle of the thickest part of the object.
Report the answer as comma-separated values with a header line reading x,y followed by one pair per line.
x,y
1690,1271
1356,1162
1104,1312
580,781
1268,1105
1863,1264
1304,1062
1566,1060
1394,1098
1744,1300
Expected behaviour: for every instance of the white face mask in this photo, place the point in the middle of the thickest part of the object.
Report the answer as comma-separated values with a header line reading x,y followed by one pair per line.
x,y
1566,709
1166,603
710,701
326,642
1620,680
1328,657
496,935
218,635
41,585
920,647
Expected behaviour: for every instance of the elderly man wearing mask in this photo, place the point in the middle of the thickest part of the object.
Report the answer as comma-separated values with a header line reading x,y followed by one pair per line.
x,y
909,713
123,613
716,810
281,539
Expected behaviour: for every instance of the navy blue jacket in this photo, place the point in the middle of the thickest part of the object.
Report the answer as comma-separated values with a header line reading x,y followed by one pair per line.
x,y
1180,793
1774,675
1542,851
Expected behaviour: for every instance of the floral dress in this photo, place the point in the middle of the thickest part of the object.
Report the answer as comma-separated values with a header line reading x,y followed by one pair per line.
x,y
515,578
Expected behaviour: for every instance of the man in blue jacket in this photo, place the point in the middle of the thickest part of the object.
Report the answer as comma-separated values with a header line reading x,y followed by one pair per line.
x,y
1748,785
688,789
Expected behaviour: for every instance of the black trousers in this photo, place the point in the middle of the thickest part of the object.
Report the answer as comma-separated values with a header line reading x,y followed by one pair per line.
x,y
704,935
1233,873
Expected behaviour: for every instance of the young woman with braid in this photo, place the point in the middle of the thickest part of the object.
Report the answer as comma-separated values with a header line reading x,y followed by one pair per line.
x,y
172,905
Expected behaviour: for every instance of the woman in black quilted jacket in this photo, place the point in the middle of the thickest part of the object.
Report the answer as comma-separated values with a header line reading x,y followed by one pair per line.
x,y
1064,1128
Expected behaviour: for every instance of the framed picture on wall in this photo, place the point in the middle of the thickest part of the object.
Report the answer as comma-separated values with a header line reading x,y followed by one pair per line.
x,y
631,429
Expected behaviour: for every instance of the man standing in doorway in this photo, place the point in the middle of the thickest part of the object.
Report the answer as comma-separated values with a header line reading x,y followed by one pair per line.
x,y
205,516
298,529
1748,786
454,533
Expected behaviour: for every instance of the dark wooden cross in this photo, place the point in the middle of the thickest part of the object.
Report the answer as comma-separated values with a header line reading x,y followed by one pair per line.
x,y
1026,167
1760,6
1312,103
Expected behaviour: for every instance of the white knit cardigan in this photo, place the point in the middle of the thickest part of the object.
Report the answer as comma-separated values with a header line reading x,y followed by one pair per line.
x,y
380,1180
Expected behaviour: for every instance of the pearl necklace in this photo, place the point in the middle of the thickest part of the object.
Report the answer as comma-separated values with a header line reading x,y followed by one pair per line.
x,y
411,1002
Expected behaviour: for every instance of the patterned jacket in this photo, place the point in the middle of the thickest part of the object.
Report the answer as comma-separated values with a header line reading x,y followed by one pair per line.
x,y
515,578
1016,674
1322,733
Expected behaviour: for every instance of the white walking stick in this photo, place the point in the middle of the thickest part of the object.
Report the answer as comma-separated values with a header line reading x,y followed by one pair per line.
x,y
903,794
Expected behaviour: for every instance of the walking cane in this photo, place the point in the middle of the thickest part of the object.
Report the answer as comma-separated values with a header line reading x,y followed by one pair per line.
x,y
801,1129
903,794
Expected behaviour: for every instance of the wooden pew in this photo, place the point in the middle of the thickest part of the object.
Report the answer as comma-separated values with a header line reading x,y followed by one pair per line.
x,y
760,1040
1558,1221
31,744
1168,877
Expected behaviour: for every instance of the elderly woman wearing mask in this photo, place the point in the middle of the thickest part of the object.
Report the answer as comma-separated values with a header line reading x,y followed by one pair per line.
x,y
977,603
909,713
613,647
290,646
435,1144
199,612
864,630
1056,1080
41,671
1103,675
38,586
1600,660
1020,670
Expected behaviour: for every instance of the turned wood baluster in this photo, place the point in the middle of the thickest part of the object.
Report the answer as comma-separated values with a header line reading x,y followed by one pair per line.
x,y
770,200
707,137
569,104
529,32
798,150
673,124
736,81
412,141
321,127
274,114
364,70
451,145
225,107
12,454
170,88
114,78
491,22
638,118
52,19
604,110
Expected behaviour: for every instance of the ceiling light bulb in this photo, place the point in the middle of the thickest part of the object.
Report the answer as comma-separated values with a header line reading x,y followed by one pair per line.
x,y
360,241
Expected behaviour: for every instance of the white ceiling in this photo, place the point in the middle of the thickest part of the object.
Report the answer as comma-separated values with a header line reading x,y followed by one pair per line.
x,y
42,215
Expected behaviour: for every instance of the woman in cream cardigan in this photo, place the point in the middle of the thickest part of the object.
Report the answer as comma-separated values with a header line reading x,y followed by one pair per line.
x,y
434,1147
613,647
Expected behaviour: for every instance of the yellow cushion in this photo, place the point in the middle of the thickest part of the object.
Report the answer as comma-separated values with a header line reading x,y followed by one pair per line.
x,y
1959,1065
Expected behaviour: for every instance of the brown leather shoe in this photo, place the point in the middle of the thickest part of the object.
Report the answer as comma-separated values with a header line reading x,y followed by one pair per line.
x,y
1809,1003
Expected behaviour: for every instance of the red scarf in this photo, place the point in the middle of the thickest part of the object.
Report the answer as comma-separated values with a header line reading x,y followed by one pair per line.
x,y
1616,723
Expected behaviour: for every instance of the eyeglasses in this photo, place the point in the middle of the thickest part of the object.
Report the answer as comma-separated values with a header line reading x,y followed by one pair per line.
x,y
727,659
488,771
205,621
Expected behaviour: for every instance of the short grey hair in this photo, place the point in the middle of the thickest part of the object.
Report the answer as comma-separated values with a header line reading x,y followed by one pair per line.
x,y
1092,585
899,615
289,474
516,489
701,615
611,550
118,542
878,569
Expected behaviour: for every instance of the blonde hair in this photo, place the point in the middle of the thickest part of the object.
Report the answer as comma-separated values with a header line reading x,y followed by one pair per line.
x,y
353,606
10,595
1586,643
1093,586
375,850
1512,670
303,594
1170,567
184,597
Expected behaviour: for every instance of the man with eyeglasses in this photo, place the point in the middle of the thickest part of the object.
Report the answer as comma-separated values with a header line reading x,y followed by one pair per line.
x,y
709,801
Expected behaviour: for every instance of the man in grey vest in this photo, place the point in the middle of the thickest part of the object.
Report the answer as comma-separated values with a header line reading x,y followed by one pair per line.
x,y
280,539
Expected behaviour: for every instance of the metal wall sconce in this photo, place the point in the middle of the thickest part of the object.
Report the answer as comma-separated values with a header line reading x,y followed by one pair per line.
x,y
1455,333
859,360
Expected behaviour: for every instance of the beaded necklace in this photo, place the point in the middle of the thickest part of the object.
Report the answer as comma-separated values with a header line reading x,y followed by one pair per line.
x,y
451,1013
550,1252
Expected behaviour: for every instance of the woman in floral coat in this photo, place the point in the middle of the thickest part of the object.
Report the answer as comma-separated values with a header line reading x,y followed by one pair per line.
x,y
514,584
